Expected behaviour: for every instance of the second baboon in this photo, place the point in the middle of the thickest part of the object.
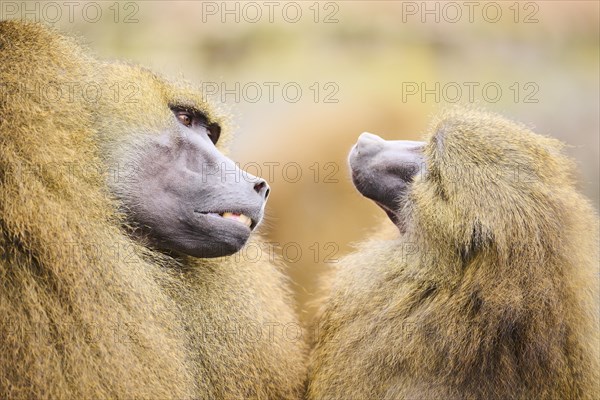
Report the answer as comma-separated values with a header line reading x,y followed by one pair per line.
x,y
489,291
119,224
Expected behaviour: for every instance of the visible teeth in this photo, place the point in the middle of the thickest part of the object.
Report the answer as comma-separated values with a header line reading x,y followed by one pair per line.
x,y
238,217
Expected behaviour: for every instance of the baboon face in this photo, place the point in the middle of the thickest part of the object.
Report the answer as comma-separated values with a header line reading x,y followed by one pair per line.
x,y
188,197
383,170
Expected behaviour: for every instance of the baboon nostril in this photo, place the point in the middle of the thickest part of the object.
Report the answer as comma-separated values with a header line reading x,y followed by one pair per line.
x,y
262,188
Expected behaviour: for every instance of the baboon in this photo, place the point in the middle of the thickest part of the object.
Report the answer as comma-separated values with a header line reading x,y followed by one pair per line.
x,y
119,226
488,290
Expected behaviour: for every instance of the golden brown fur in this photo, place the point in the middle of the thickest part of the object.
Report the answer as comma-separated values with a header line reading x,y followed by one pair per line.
x,y
85,311
491,293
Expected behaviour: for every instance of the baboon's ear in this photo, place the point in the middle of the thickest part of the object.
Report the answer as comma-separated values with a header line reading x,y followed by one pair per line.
x,y
481,238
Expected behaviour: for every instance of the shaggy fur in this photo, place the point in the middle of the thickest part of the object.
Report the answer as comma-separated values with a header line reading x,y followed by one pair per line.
x,y
86,312
491,293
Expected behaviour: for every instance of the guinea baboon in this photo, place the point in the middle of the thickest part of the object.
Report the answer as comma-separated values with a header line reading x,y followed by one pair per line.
x,y
490,289
119,220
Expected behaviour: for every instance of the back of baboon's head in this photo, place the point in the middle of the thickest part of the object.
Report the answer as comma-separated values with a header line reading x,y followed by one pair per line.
x,y
479,181
488,179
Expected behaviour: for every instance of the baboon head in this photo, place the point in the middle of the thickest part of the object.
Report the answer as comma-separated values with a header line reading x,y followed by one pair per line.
x,y
478,178
179,192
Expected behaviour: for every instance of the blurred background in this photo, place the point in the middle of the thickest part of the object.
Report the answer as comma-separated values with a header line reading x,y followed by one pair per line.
x,y
301,80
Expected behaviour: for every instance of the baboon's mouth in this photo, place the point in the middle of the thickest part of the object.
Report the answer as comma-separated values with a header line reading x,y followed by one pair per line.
x,y
234,216
393,215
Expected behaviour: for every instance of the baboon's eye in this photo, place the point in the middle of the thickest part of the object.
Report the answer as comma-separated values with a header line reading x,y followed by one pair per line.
x,y
197,121
185,118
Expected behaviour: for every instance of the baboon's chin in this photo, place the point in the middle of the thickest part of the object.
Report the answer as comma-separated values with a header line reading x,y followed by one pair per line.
x,y
395,216
379,192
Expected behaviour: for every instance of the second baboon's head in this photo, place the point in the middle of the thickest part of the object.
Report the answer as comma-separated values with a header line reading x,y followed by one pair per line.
x,y
163,143
477,178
